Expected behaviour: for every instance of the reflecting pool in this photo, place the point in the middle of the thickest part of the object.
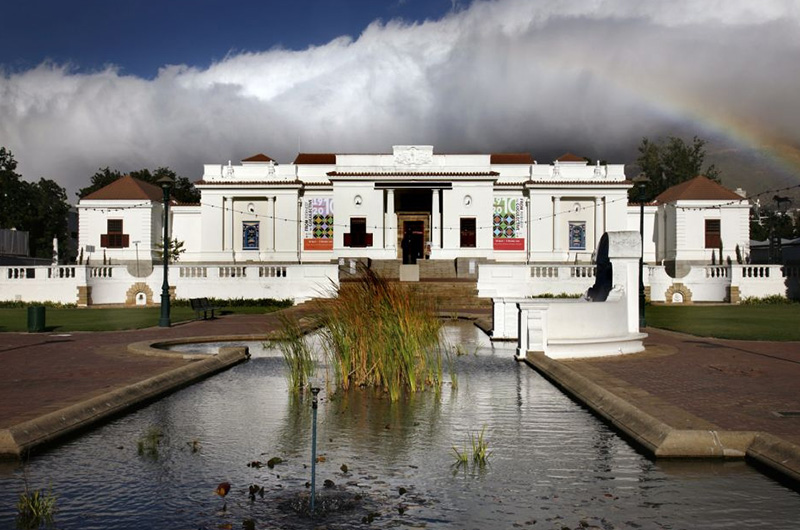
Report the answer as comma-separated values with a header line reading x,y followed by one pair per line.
x,y
552,463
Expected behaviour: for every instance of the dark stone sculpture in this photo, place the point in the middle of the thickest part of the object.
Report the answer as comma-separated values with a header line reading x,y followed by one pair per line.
x,y
604,278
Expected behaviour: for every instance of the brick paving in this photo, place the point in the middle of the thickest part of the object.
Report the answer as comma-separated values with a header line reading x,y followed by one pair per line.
x,y
736,385
44,372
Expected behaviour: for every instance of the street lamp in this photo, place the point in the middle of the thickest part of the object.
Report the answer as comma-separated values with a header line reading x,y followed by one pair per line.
x,y
165,183
641,182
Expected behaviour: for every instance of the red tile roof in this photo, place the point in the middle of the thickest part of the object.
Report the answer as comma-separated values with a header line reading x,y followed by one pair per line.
x,y
511,158
260,157
699,188
569,157
315,158
127,188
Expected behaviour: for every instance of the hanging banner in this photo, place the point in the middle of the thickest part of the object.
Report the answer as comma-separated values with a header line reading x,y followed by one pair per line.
x,y
318,224
577,235
250,234
508,223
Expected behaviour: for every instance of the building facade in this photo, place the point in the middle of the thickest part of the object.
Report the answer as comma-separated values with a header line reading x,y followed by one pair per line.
x,y
408,205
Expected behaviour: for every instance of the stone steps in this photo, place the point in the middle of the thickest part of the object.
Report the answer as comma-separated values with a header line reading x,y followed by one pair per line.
x,y
448,282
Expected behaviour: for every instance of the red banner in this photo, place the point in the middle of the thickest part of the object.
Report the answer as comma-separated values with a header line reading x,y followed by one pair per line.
x,y
509,243
318,244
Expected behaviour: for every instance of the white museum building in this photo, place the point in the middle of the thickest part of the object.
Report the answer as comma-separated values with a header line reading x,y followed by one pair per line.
x,y
514,225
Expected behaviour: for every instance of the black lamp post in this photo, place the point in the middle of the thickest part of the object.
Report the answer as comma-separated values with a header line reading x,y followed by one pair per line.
x,y
166,184
641,182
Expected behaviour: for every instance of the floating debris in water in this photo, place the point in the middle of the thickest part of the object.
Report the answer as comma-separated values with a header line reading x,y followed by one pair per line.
x,y
344,468
254,490
274,461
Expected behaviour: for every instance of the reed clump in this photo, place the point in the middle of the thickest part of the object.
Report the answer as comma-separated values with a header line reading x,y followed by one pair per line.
x,y
149,442
35,508
379,334
297,354
479,450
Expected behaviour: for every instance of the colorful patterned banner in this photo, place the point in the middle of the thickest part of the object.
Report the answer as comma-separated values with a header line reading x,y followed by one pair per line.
x,y
577,235
250,233
318,224
508,223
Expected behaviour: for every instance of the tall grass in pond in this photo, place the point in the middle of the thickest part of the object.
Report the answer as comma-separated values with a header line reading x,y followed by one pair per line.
x,y
297,354
381,334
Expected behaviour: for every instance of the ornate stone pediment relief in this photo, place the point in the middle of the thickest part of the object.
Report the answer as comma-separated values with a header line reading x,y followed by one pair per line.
x,y
413,155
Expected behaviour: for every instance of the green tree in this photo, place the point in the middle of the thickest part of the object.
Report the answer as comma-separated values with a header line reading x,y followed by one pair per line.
x,y
182,191
39,208
670,162
102,178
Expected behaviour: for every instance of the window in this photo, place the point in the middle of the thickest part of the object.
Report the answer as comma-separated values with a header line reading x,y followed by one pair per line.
x,y
467,232
358,237
712,233
114,238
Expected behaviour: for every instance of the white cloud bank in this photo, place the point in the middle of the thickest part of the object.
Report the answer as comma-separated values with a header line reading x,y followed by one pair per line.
x,y
591,77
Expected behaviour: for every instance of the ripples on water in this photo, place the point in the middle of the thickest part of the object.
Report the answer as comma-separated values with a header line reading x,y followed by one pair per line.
x,y
552,465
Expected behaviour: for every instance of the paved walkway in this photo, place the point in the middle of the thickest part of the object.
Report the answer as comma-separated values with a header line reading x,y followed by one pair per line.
x,y
735,385
44,372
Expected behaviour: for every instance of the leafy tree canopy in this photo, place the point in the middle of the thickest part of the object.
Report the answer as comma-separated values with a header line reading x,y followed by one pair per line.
x,y
670,162
182,190
39,208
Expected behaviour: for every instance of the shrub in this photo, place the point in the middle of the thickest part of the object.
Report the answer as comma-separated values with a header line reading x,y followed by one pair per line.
x,y
18,305
240,302
775,299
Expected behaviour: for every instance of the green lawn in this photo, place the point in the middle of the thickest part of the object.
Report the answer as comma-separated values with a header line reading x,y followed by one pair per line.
x,y
105,319
742,322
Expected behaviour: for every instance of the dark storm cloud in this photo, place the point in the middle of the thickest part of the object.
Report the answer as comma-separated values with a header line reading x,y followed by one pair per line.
x,y
513,75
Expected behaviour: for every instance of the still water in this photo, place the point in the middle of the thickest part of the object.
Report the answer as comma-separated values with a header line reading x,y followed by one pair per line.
x,y
552,463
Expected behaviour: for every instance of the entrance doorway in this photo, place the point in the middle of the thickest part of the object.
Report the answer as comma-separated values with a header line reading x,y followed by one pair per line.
x,y
413,243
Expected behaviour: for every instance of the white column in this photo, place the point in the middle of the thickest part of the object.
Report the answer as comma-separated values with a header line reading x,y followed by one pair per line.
x,y
390,236
556,223
274,222
232,239
269,241
598,220
435,221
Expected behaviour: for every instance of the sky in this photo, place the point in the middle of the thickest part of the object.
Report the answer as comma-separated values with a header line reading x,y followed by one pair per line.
x,y
133,84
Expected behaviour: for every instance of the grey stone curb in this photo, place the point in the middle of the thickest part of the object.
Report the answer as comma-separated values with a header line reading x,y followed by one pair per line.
x,y
663,441
19,439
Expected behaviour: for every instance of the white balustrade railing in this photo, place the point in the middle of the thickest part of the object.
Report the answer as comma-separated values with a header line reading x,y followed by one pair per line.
x,y
65,272
719,271
193,272
272,271
21,273
232,272
100,272
582,271
546,271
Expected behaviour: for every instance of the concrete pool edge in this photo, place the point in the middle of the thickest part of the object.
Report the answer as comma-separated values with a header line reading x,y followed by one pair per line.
x,y
20,439
660,439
